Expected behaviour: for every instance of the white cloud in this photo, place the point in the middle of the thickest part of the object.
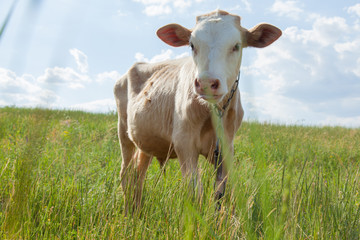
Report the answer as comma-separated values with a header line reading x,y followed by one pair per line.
x,y
286,8
139,57
81,60
23,90
356,70
111,76
155,10
164,7
325,31
344,121
240,7
182,3
10,82
355,9
164,55
148,2
310,74
278,109
328,31
65,77
103,106
275,108
347,47
31,91
155,7
185,54
349,53
247,5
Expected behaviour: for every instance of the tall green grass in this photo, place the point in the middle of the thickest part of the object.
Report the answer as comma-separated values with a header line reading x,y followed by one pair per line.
x,y
59,179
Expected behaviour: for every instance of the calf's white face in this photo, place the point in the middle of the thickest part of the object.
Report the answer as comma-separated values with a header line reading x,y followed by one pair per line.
x,y
216,45
216,42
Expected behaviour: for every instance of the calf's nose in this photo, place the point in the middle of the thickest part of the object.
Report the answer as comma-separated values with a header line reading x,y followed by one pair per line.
x,y
207,86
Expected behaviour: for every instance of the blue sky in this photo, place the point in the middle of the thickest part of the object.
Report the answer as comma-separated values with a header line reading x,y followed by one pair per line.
x,y
68,54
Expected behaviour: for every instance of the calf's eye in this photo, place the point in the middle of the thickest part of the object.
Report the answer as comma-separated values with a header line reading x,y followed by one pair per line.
x,y
192,46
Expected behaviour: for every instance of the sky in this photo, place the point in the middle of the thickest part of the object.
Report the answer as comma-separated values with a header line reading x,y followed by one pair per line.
x,y
68,54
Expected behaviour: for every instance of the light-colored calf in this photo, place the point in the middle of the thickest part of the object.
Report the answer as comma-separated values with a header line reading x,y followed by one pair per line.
x,y
164,108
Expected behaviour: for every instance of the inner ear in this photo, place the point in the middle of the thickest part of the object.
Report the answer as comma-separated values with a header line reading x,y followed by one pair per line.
x,y
174,34
262,35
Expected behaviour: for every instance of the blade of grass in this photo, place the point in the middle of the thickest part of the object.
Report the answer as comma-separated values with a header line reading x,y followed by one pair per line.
x,y
7,18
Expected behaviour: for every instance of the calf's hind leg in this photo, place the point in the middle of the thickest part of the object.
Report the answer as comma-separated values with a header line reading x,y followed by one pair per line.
x,y
143,162
127,165
133,169
135,176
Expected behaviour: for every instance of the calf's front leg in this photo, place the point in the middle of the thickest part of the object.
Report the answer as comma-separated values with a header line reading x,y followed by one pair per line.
x,y
188,160
220,173
222,157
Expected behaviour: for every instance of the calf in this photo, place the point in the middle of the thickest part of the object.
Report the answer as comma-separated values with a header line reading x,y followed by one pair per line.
x,y
164,109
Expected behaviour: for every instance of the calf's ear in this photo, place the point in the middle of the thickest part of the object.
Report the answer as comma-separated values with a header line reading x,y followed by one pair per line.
x,y
174,34
262,35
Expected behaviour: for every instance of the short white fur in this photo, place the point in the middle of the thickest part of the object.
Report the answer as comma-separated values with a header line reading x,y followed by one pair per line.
x,y
214,39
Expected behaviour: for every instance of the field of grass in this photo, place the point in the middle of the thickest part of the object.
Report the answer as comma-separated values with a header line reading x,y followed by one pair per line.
x,y
59,179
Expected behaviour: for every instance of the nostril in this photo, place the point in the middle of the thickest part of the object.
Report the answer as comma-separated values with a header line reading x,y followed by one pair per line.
x,y
215,84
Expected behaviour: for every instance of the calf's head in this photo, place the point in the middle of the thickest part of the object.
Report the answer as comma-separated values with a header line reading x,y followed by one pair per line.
x,y
216,42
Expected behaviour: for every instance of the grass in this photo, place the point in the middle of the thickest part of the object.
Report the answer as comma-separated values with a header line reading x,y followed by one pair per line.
x,y
59,179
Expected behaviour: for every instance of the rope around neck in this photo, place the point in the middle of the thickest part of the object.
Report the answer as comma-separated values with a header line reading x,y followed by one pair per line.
x,y
218,161
221,111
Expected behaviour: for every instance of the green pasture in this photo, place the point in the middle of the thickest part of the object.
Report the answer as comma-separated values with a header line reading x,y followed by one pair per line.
x,y
59,179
